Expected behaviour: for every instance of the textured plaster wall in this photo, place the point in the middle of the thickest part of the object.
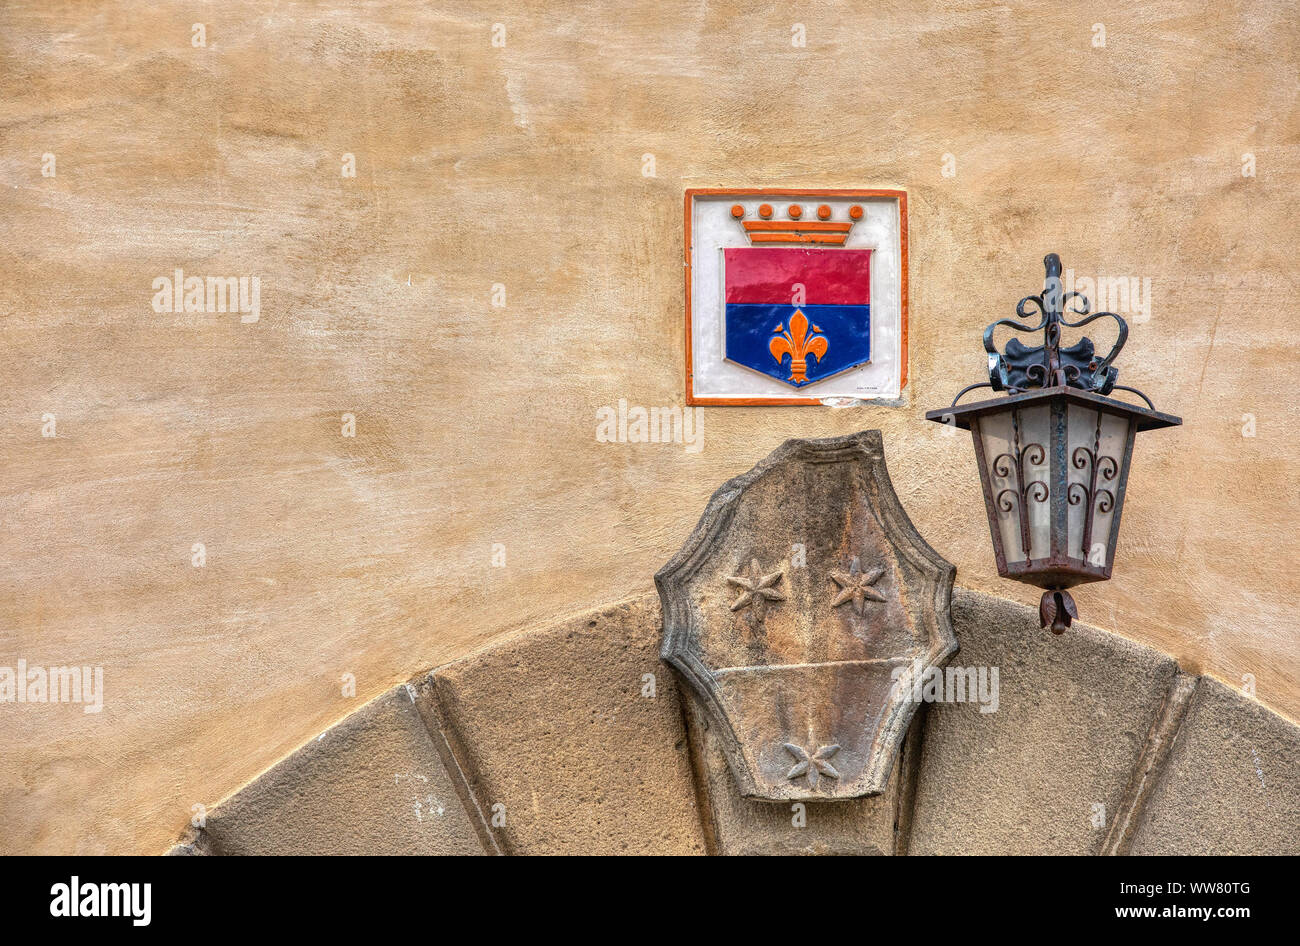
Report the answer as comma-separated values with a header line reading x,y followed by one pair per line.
x,y
523,165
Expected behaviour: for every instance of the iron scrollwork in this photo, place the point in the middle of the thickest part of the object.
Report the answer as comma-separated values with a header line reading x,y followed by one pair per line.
x,y
1016,499
1020,368
1097,500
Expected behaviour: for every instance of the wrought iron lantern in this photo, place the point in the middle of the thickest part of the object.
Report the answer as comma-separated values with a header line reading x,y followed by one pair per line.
x,y
1054,454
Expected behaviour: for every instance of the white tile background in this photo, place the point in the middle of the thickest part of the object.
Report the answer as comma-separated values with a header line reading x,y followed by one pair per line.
x,y
714,229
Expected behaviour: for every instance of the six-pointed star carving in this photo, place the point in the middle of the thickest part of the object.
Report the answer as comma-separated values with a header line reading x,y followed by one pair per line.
x,y
855,586
756,589
811,766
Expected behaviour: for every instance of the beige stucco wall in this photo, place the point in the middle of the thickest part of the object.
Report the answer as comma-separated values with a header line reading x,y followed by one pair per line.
x,y
475,425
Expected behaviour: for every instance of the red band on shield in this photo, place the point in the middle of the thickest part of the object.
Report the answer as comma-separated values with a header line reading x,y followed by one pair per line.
x,y
828,277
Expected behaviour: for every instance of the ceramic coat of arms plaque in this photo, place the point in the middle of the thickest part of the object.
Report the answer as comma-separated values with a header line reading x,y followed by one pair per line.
x,y
798,614
795,297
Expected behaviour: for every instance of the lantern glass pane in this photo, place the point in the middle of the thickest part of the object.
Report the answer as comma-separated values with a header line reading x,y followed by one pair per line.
x,y
1095,457
1017,450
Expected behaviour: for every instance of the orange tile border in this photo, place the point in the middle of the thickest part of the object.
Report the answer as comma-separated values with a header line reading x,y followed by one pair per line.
x,y
692,192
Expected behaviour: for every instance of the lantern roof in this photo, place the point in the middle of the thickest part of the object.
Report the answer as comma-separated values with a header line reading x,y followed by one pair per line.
x,y
1147,418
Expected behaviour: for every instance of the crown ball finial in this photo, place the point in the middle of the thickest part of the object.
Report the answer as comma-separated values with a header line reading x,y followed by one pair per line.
x,y
794,223
1052,264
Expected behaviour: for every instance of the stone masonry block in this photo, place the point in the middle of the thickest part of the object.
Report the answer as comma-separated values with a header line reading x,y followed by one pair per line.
x,y
1074,715
372,784
1231,784
556,727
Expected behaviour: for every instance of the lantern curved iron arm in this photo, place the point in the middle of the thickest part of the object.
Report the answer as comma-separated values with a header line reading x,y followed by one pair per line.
x,y
966,390
1120,387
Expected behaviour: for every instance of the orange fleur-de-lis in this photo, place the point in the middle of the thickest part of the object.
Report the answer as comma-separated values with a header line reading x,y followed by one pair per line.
x,y
798,345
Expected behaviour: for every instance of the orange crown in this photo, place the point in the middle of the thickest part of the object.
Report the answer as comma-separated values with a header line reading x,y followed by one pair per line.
x,y
796,229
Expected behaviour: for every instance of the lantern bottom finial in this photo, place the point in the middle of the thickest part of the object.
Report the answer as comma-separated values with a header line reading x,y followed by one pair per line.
x,y
1057,609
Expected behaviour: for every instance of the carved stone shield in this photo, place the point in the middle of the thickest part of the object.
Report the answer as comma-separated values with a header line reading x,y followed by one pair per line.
x,y
800,612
